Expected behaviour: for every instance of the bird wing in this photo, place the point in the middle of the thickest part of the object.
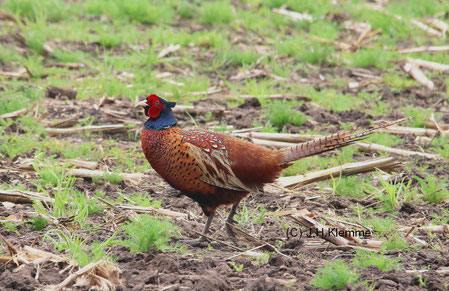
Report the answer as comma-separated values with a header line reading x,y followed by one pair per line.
x,y
212,159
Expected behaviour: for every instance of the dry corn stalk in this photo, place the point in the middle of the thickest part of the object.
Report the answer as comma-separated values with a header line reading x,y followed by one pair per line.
x,y
384,164
418,75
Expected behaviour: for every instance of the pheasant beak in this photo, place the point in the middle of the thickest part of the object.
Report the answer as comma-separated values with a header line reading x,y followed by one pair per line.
x,y
141,103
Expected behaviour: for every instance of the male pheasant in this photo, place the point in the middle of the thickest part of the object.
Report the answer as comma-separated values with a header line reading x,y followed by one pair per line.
x,y
216,169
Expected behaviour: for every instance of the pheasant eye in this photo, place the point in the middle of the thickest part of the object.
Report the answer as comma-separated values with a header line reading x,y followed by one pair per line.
x,y
157,102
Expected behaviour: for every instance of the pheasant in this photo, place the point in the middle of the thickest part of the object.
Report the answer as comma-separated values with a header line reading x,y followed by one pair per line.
x,y
215,169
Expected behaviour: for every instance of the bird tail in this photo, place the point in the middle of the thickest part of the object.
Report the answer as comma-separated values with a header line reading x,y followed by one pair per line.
x,y
328,143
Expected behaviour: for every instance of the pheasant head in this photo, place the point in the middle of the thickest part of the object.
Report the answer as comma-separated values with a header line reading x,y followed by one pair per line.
x,y
159,112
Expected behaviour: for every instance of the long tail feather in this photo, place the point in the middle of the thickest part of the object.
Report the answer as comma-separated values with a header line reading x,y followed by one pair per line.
x,y
328,143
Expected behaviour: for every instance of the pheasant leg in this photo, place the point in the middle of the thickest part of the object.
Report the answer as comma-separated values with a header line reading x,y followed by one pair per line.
x,y
205,231
230,221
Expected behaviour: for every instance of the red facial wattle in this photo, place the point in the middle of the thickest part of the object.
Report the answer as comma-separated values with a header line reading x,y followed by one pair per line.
x,y
154,110
154,106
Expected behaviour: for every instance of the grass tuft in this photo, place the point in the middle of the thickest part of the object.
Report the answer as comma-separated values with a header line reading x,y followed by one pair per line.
x,y
38,223
76,246
384,226
367,258
279,113
392,193
349,186
419,116
216,12
316,53
132,10
441,145
433,188
54,10
394,241
375,57
384,138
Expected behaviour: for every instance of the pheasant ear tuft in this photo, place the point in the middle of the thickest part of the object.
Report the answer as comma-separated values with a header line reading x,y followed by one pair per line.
x,y
168,103
171,104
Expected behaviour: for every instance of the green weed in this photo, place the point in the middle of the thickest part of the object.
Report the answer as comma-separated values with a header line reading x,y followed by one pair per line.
x,y
324,29
109,39
258,21
256,87
54,10
382,225
140,199
273,3
280,113
335,274
443,218
301,166
397,80
50,172
422,281
146,231
291,46
345,125
222,128
394,241
246,215
31,126
69,56
76,246
419,116
358,209
34,65
379,108
235,57
433,188
316,53
8,54
71,151
138,10
264,257
216,39
38,223
216,12
376,57
186,10
113,178
268,127
11,226
441,145
351,186
343,156
392,193
416,8
237,268
331,99
68,202
15,144
314,7
12,100
368,258
392,28
384,138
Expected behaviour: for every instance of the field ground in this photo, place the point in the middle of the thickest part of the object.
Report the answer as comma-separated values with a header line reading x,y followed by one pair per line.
x,y
235,65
